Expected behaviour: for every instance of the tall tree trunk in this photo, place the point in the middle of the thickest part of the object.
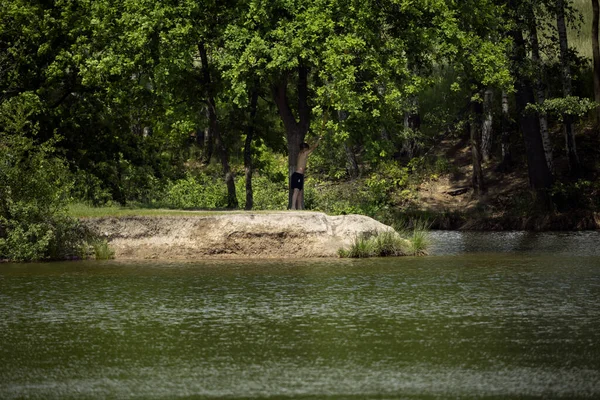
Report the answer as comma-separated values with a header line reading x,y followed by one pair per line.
x,y
248,149
539,85
353,169
207,150
567,86
486,128
295,129
506,162
540,178
352,163
412,119
475,134
596,55
214,129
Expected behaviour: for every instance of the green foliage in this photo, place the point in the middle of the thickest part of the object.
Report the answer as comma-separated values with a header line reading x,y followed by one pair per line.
x,y
571,105
88,188
581,194
429,168
123,85
374,195
266,194
34,188
195,192
388,177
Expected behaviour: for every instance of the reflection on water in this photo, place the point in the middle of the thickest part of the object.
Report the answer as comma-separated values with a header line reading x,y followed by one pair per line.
x,y
586,243
504,322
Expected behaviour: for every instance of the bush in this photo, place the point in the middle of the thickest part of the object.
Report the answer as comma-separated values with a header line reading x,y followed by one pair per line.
x,y
581,194
34,190
203,192
266,194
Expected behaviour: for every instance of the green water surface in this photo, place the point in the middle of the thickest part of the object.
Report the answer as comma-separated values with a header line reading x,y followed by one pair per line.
x,y
485,325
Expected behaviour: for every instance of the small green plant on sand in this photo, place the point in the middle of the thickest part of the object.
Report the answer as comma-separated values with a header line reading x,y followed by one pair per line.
x,y
102,250
403,242
416,233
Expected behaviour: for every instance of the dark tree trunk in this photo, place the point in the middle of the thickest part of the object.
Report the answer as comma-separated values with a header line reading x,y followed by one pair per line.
x,y
353,169
539,84
487,138
412,119
248,149
475,134
506,162
207,144
352,163
567,86
596,55
295,129
540,178
214,130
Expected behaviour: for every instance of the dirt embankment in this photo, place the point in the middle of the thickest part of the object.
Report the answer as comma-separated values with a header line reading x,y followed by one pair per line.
x,y
450,203
237,235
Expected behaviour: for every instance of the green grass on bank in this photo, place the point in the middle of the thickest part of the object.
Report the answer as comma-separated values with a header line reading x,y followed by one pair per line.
x,y
84,211
80,210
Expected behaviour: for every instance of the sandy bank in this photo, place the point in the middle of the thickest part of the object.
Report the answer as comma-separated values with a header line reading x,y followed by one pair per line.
x,y
286,234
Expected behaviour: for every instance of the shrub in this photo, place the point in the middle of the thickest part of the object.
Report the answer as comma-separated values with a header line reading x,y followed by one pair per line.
x,y
266,194
195,192
34,190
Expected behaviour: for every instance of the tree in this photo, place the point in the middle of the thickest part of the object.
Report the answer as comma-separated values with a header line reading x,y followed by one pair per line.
x,y
596,55
538,65
214,129
250,130
507,160
481,61
567,86
487,127
156,60
475,138
540,177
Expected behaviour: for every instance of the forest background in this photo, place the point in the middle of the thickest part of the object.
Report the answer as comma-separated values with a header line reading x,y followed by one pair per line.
x,y
472,113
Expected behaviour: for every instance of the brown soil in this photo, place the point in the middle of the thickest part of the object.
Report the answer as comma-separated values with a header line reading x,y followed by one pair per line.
x,y
505,205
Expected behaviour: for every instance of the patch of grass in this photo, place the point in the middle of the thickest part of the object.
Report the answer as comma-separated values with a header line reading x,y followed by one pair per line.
x,y
360,248
416,234
80,210
388,244
102,250
419,242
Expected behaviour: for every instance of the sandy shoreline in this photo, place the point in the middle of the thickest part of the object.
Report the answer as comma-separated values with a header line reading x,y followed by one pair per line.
x,y
230,236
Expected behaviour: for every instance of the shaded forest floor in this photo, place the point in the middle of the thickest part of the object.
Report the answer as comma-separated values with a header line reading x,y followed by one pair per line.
x,y
449,202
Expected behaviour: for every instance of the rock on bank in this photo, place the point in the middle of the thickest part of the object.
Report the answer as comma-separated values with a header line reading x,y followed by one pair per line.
x,y
286,234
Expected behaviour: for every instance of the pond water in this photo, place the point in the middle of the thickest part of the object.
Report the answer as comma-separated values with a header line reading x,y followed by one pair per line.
x,y
487,315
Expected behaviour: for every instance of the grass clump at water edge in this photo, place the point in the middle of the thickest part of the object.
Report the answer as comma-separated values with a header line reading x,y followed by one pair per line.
x,y
405,241
102,250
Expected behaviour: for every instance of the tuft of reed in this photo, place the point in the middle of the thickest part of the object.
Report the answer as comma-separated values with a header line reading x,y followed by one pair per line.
x,y
406,242
102,250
